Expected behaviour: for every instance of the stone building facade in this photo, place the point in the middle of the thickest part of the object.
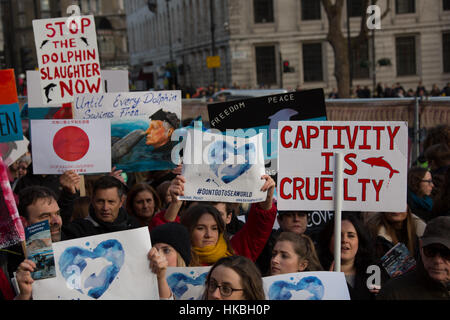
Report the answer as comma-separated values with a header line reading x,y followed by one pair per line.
x,y
254,38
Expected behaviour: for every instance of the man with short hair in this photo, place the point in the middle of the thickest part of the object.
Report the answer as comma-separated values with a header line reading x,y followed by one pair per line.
x,y
37,204
430,280
106,213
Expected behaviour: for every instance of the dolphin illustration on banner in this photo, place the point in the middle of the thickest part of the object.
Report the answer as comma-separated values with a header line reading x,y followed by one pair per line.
x,y
380,162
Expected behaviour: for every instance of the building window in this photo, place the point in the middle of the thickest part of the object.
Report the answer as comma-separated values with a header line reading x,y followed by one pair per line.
x,y
406,56
360,61
266,71
446,51
354,8
405,6
45,5
311,10
312,62
263,11
446,4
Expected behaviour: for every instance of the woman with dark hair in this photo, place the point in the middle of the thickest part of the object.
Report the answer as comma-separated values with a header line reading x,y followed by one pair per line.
x,y
420,186
356,254
294,252
234,278
143,202
441,206
207,232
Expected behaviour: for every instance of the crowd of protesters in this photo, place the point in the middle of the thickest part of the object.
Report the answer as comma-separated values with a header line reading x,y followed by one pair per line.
x,y
385,90
186,233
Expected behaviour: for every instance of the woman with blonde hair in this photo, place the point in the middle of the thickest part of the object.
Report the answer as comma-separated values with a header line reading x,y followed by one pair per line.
x,y
294,252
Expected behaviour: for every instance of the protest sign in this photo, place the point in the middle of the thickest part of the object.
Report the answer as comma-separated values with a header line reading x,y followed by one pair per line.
x,y
68,58
187,283
223,168
11,228
262,114
142,124
39,250
10,122
80,145
111,266
307,286
374,169
13,150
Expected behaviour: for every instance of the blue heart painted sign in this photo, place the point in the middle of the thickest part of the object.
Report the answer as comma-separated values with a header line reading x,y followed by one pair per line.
x,y
220,151
92,270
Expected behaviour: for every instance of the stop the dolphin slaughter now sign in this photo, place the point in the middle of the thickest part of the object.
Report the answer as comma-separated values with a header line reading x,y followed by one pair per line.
x,y
68,58
374,165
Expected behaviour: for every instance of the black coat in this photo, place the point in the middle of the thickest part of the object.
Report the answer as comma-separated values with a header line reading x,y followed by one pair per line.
x,y
414,285
91,226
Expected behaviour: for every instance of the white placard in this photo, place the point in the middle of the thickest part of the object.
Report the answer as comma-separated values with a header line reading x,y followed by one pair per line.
x,y
126,105
223,168
68,58
111,266
187,283
80,145
113,81
318,285
13,150
374,167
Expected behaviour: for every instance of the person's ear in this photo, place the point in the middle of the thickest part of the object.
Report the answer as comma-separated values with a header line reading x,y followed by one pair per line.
x,y
302,265
228,219
169,133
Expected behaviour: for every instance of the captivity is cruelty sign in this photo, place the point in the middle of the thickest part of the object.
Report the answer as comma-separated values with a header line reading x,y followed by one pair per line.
x,y
374,169
68,58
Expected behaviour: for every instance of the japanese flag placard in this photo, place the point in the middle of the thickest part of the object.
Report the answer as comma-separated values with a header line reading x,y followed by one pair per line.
x,y
374,167
80,145
68,58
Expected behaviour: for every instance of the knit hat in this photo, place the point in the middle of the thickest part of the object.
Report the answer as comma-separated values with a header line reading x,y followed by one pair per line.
x,y
176,235
437,231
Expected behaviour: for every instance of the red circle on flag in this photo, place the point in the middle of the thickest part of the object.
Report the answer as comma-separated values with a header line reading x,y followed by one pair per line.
x,y
71,143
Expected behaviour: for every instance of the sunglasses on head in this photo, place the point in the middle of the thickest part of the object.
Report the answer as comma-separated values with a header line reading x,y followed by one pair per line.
x,y
431,251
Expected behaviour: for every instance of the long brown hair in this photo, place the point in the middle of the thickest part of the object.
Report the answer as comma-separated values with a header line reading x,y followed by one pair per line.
x,y
250,275
190,219
409,227
304,248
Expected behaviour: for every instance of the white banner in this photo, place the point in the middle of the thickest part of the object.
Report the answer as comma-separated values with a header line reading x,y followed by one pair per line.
x,y
223,168
80,145
111,266
68,58
318,285
374,171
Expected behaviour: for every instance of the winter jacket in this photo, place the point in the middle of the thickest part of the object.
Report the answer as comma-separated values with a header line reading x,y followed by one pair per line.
x,y
414,285
159,219
251,239
93,226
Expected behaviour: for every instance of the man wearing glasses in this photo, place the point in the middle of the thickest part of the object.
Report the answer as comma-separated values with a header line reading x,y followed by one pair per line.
x,y
431,277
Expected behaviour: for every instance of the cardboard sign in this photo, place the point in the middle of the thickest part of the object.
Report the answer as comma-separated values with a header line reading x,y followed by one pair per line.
x,y
126,105
142,124
10,121
187,283
111,266
80,145
68,58
225,169
113,81
13,150
374,170
307,286
262,115
11,228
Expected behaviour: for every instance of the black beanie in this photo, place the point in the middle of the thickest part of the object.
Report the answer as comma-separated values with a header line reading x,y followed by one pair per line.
x,y
176,235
